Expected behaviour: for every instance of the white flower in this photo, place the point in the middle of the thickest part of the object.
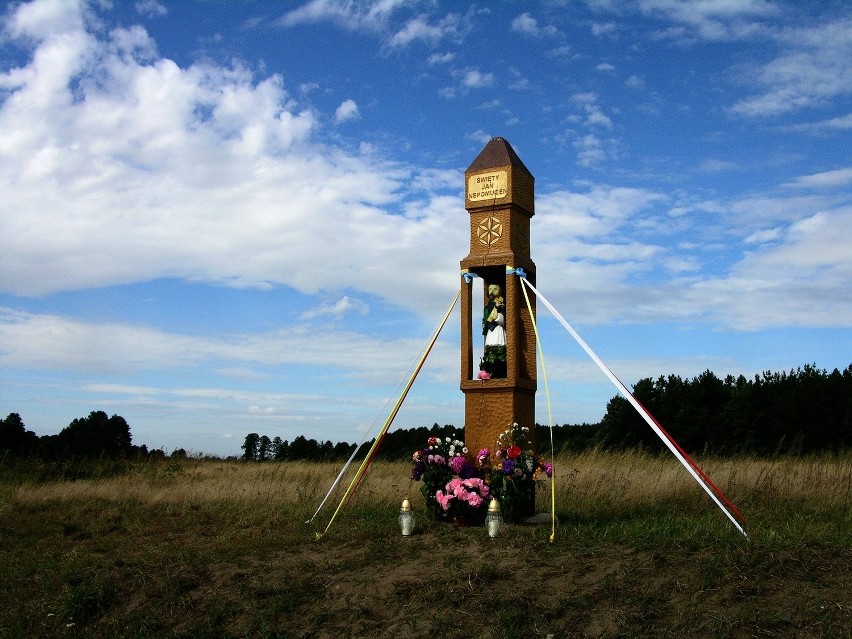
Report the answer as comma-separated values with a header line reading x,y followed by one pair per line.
x,y
464,450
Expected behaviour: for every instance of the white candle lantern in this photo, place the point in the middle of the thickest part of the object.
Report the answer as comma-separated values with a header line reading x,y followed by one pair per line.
x,y
406,518
494,519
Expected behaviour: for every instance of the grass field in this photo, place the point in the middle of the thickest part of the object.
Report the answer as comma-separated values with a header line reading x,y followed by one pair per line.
x,y
221,549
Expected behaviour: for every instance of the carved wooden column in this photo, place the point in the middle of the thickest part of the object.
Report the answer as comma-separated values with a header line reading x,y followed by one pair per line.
x,y
499,196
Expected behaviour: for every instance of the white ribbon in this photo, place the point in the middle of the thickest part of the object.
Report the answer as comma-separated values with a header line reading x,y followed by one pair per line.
x,y
641,409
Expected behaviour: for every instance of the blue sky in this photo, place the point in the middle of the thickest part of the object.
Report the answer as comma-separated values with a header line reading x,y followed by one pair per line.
x,y
221,217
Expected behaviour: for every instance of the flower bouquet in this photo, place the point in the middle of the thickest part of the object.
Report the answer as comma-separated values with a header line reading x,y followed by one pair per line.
x,y
458,488
437,464
514,472
464,500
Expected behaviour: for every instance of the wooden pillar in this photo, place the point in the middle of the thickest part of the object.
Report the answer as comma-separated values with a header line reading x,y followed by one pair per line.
x,y
499,196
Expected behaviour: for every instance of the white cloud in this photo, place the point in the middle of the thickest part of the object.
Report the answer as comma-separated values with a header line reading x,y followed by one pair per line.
x,y
710,19
419,29
376,17
475,79
526,24
598,213
340,309
51,342
564,51
797,281
766,235
634,82
813,70
348,110
590,150
595,117
825,180
42,20
519,82
603,28
150,8
839,123
113,190
480,137
789,272
354,16
440,58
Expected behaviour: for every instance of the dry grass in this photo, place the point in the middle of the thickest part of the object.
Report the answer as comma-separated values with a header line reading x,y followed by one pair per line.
x,y
587,483
631,479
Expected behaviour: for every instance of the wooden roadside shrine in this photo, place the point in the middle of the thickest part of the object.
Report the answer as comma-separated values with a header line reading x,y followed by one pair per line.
x,y
499,196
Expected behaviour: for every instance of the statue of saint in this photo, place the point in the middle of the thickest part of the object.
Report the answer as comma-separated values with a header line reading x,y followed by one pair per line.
x,y
493,362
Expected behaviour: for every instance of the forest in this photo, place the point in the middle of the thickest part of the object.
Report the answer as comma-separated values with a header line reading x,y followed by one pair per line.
x,y
803,411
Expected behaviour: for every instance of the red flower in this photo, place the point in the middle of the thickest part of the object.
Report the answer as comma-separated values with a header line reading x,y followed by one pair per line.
x,y
514,452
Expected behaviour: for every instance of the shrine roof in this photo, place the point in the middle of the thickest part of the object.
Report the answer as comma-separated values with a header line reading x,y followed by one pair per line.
x,y
498,152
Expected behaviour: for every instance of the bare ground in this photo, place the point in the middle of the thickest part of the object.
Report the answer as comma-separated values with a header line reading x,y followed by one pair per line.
x,y
442,582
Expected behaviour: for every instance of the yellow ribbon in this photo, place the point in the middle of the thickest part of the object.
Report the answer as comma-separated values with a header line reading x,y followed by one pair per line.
x,y
362,469
549,415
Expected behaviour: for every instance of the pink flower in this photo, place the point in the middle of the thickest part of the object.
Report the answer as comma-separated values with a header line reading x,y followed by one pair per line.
x,y
482,456
443,500
548,470
484,375
476,484
474,500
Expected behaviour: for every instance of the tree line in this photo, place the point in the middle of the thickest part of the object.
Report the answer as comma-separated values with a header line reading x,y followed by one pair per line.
x,y
802,411
95,436
806,410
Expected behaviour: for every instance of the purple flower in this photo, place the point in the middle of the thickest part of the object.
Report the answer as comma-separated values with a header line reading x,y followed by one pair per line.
x,y
417,470
548,470
508,466
457,463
